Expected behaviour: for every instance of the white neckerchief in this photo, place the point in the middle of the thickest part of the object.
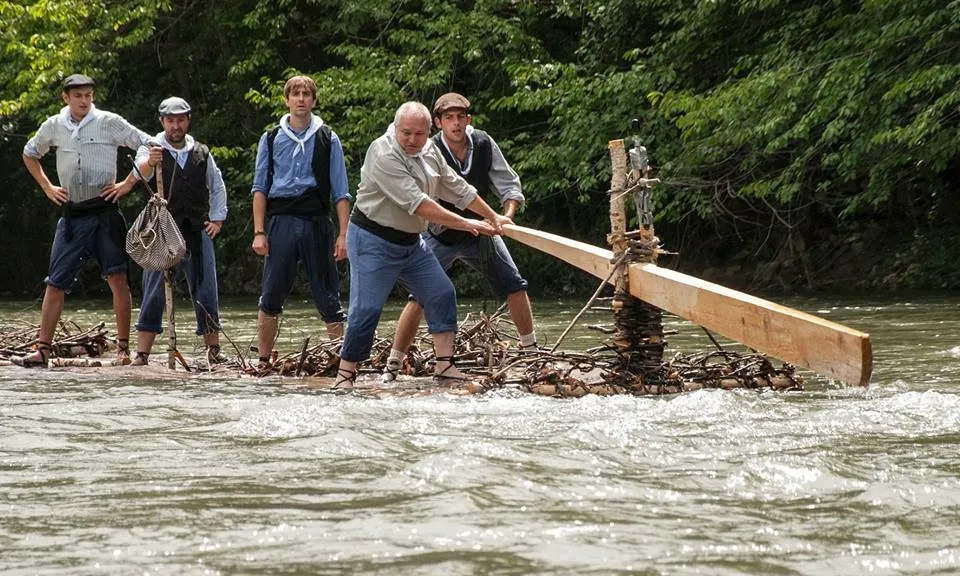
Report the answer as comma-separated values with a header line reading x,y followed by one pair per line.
x,y
75,128
431,173
315,123
179,154
465,165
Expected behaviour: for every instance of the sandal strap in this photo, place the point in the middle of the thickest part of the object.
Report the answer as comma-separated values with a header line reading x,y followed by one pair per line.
x,y
123,344
344,375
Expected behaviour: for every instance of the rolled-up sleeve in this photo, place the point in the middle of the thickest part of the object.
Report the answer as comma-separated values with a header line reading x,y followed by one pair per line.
x,y
392,178
339,187
40,144
503,178
218,191
126,134
260,167
143,154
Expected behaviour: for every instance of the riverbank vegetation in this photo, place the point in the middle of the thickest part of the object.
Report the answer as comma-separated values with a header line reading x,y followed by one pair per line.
x,y
802,146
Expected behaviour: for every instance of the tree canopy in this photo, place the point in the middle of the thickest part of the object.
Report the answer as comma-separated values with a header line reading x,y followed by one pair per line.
x,y
793,139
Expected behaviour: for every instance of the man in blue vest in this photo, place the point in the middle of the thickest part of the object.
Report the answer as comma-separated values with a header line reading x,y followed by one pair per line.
x,y
197,199
475,156
300,174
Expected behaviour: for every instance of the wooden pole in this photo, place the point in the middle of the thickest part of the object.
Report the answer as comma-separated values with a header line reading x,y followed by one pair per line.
x,y
617,238
796,337
168,295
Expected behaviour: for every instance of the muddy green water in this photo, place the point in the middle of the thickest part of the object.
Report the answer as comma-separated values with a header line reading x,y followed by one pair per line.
x,y
100,475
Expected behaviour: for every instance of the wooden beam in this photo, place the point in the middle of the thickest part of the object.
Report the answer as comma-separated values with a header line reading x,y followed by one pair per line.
x,y
796,337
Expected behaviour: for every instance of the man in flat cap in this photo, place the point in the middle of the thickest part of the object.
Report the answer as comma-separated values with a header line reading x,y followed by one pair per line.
x,y
86,139
475,156
197,199
402,177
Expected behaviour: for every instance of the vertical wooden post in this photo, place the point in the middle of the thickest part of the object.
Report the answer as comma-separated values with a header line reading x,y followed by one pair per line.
x,y
638,334
617,238
168,293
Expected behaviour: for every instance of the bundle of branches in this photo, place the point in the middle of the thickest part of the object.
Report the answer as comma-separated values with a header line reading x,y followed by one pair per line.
x,y
69,340
486,350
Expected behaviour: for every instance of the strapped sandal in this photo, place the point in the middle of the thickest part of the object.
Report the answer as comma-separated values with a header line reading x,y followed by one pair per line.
x,y
345,379
123,352
215,356
391,370
38,358
442,377
141,359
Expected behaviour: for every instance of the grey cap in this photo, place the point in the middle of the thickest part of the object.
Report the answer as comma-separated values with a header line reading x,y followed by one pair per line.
x,y
174,105
76,81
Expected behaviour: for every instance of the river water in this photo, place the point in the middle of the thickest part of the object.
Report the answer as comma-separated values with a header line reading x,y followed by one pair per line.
x,y
221,475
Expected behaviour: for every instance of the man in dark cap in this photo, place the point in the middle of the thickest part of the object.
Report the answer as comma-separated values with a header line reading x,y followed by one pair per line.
x,y
197,198
86,139
475,156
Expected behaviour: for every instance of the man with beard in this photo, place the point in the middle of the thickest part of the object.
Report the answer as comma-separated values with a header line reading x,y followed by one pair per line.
x,y
86,139
197,199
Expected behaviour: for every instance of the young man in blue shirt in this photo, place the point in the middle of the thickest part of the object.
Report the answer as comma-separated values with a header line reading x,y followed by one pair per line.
x,y
300,175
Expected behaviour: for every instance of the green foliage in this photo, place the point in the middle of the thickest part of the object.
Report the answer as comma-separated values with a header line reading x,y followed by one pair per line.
x,y
773,123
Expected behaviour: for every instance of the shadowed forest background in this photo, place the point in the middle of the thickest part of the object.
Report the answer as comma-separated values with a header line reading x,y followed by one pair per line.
x,y
802,146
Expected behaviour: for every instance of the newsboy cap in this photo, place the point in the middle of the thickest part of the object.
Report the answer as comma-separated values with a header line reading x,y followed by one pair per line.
x,y
76,81
174,105
448,101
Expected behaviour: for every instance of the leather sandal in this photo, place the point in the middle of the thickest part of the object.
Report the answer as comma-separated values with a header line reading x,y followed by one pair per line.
x,y
141,359
442,377
38,358
345,379
123,352
215,355
391,370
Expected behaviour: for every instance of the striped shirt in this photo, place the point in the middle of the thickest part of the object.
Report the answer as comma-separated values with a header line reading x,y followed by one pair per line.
x,y
86,151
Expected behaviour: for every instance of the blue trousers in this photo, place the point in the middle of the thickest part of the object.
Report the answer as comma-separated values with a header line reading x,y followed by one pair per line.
x,y
485,254
203,294
91,237
375,267
293,239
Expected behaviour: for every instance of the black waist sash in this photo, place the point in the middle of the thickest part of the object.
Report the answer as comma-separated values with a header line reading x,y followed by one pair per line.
x,y
95,207
387,233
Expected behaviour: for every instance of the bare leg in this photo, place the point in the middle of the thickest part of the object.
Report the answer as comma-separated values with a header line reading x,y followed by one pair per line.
x,y
49,316
50,313
145,341
334,330
443,347
345,375
122,302
407,326
266,333
521,312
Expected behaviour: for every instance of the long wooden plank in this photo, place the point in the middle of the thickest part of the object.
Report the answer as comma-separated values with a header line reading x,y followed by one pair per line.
x,y
796,337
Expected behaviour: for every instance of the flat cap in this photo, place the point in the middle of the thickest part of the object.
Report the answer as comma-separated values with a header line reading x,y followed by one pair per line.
x,y
174,105
448,101
76,81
